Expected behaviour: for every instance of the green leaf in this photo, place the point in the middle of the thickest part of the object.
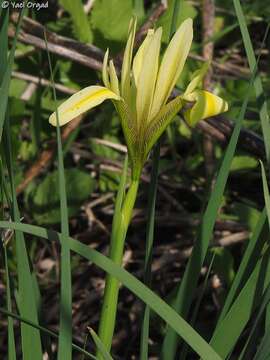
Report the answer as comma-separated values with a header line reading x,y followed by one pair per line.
x,y
44,199
260,95
79,18
236,319
31,341
192,271
223,264
180,326
186,10
243,162
110,19
105,354
43,330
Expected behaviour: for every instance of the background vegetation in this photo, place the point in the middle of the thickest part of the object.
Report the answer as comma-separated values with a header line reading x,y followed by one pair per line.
x,y
211,192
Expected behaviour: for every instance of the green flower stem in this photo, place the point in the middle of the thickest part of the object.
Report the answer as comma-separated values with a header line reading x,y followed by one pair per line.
x,y
109,307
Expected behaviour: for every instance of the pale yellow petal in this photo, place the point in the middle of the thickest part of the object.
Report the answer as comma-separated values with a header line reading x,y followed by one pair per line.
x,y
138,59
206,105
127,59
80,102
113,78
147,77
197,78
105,77
172,64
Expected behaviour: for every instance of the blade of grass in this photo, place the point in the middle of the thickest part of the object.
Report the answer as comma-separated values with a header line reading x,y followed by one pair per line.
x,y
4,86
264,302
184,352
149,248
64,346
188,284
241,310
44,330
101,348
11,338
264,117
170,316
4,18
251,255
263,352
31,342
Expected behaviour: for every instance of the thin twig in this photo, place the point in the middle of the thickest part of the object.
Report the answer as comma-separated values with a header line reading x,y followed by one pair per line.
x,y
43,82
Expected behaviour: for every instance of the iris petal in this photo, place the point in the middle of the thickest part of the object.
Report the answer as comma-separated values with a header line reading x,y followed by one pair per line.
x,y
206,105
80,102
138,58
147,77
105,77
127,60
172,64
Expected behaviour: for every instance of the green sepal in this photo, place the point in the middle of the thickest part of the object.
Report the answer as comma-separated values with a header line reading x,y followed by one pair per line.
x,y
160,122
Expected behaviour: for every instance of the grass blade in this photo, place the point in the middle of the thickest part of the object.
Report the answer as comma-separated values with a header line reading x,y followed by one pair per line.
x,y
44,330
263,352
236,319
31,342
4,86
167,313
4,18
188,284
251,256
64,349
149,249
101,348
257,81
264,303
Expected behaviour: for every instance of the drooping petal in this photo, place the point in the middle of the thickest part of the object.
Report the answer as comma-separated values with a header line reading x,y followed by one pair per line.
x,y
147,77
206,105
172,64
80,102
197,78
105,77
113,78
127,59
138,58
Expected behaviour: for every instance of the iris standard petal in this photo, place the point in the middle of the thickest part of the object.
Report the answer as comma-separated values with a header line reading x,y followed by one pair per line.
x,y
127,59
147,77
206,105
105,77
172,64
138,58
80,102
113,78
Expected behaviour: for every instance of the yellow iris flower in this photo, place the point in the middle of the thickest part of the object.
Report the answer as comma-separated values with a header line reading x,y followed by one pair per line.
x,y
141,99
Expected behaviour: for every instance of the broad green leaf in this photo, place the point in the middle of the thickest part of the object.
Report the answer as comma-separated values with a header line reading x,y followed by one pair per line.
x,y
243,162
44,199
79,18
110,19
